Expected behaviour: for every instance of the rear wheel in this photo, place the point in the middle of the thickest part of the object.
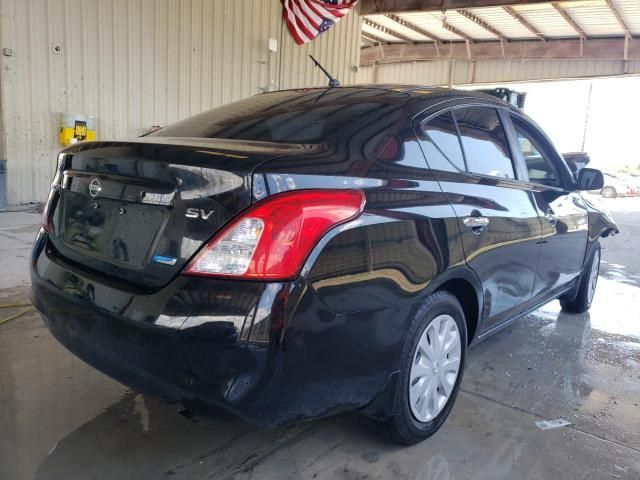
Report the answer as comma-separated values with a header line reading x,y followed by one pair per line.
x,y
430,372
587,288
609,192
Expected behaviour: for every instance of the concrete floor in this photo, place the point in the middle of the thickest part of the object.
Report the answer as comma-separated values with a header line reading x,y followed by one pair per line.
x,y
60,419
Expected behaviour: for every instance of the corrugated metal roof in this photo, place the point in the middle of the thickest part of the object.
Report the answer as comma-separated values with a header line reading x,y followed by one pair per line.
x,y
552,20
547,20
630,11
596,18
502,20
379,34
467,26
431,22
395,26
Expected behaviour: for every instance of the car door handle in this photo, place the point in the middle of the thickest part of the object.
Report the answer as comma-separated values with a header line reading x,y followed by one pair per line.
x,y
551,218
476,224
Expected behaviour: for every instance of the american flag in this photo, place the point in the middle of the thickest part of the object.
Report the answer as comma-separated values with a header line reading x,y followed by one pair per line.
x,y
306,19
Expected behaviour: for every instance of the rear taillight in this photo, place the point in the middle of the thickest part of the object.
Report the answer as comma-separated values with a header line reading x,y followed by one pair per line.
x,y
47,222
272,239
54,193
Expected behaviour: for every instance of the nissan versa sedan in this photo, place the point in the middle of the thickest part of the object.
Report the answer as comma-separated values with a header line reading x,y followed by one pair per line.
x,y
308,252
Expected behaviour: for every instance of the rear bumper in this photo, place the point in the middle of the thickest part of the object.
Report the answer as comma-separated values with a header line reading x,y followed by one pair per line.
x,y
270,353
146,359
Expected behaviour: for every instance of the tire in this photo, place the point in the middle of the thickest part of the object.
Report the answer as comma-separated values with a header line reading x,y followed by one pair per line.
x,y
609,192
588,282
417,417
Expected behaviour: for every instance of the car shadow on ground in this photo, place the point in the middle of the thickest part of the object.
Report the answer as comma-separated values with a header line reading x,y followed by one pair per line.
x,y
140,437
546,365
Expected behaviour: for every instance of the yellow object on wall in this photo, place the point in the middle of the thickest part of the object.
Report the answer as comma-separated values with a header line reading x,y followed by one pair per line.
x,y
76,127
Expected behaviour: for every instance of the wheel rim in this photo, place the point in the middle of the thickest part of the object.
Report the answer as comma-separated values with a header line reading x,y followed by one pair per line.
x,y
593,275
434,368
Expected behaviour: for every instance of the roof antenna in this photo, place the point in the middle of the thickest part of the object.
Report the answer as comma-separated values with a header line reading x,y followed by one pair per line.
x,y
333,82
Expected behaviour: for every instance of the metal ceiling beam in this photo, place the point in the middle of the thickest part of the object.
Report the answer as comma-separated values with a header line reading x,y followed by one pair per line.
x,y
457,31
477,20
511,11
367,41
414,27
387,31
368,7
619,18
597,49
569,20
374,38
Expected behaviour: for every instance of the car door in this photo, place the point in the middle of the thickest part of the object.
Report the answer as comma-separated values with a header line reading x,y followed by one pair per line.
x,y
468,151
562,212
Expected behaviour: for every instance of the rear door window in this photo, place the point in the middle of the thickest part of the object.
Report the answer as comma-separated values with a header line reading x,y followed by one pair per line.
x,y
441,145
484,142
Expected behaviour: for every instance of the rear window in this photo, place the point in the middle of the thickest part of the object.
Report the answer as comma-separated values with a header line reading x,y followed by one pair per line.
x,y
285,117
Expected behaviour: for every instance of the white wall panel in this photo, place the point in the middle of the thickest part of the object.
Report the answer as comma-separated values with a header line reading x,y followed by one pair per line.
x,y
365,75
138,63
338,49
434,72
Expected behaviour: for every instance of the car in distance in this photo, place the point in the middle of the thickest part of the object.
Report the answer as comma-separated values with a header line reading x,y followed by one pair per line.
x,y
307,252
617,186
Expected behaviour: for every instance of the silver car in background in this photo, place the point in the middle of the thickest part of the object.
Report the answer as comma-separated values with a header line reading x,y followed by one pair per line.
x,y
616,185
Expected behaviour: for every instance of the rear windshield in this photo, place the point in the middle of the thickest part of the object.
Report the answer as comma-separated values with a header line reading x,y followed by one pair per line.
x,y
287,117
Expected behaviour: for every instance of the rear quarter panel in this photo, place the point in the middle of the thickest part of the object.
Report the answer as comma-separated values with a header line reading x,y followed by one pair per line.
x,y
368,278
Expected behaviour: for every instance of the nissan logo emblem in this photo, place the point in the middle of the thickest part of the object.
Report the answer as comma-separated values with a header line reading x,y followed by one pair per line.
x,y
95,187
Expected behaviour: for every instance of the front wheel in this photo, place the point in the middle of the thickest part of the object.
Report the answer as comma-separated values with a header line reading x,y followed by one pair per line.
x,y
587,288
609,192
430,371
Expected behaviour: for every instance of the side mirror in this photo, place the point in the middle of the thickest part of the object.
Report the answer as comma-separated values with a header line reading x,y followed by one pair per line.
x,y
590,179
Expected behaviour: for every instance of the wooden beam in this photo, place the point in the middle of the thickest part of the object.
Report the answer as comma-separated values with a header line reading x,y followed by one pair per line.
x,y
569,20
368,7
619,18
511,11
414,27
483,24
597,49
388,31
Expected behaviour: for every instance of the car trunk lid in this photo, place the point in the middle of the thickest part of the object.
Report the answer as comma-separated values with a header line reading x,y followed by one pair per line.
x,y
137,211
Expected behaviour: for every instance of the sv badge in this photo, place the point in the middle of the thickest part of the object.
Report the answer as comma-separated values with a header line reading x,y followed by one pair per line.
x,y
198,213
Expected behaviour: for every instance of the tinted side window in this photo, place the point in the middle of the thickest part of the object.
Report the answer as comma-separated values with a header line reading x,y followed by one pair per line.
x,y
539,168
441,145
485,143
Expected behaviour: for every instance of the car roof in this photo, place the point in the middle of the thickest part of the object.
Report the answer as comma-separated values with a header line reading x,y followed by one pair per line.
x,y
397,91
408,94
242,119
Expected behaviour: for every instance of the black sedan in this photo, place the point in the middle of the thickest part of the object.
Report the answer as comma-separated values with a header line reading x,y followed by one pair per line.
x,y
307,252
